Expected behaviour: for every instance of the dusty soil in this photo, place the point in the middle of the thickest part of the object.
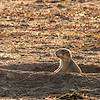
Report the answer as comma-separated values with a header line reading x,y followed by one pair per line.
x,y
31,31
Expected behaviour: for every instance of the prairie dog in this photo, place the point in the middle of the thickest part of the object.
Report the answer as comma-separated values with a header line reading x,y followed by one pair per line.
x,y
67,64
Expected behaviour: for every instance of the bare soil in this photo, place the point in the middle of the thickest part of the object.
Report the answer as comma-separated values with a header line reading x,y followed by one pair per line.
x,y
30,33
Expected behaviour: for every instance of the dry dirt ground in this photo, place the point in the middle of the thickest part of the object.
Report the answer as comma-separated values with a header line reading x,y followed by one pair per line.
x,y
31,31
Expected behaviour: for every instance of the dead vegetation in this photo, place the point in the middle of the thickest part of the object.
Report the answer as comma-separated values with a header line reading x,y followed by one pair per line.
x,y
31,31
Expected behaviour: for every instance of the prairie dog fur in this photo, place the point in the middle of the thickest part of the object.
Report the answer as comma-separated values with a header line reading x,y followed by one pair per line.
x,y
67,64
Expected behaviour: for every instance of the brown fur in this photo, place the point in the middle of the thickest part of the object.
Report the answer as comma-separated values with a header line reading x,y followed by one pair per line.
x,y
67,64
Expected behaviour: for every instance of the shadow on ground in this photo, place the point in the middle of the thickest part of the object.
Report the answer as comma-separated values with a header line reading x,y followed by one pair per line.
x,y
49,66
21,80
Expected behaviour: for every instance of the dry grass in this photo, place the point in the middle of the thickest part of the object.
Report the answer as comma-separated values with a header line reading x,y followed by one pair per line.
x,y
31,31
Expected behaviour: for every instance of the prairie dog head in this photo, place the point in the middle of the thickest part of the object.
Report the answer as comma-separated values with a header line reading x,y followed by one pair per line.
x,y
64,54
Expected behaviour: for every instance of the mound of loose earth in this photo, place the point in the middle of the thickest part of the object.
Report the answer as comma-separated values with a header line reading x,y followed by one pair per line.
x,y
18,83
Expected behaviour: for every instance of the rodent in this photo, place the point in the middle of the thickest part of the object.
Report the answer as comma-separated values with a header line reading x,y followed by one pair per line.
x,y
67,64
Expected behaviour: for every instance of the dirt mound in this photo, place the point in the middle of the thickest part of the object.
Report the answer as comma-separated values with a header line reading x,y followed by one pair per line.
x,y
41,84
49,66
20,83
